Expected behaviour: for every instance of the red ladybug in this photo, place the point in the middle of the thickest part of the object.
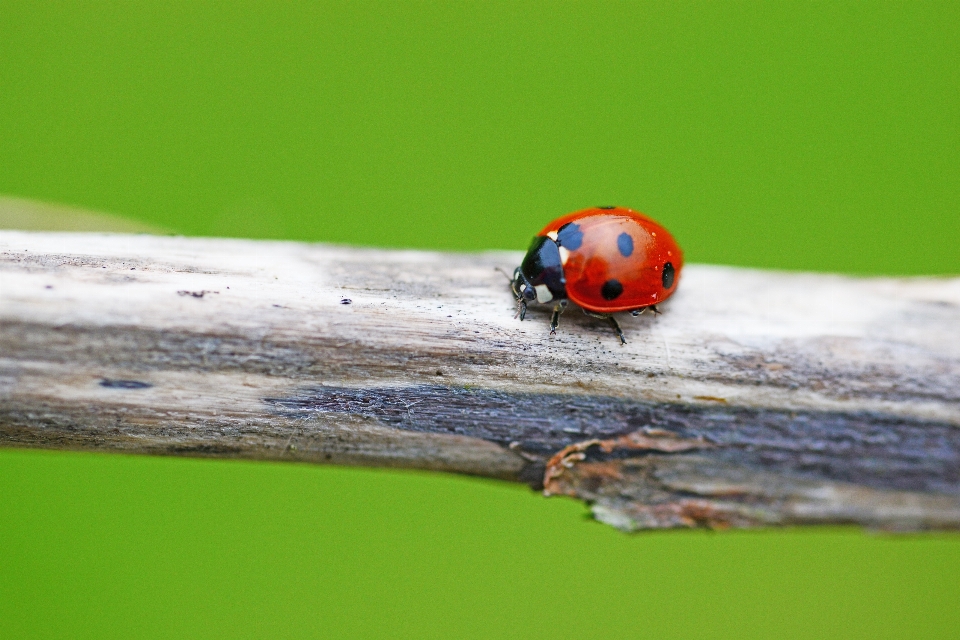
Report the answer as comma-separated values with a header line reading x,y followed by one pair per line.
x,y
605,260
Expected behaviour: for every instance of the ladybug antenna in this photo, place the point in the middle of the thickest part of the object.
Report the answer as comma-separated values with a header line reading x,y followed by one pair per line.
x,y
507,275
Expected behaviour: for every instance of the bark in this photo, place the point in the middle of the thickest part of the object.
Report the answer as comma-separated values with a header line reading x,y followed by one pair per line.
x,y
757,398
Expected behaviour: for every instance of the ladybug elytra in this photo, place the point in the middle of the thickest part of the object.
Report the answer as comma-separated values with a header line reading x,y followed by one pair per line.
x,y
604,260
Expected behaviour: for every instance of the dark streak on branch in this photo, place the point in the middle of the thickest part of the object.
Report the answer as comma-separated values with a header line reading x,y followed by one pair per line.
x,y
872,450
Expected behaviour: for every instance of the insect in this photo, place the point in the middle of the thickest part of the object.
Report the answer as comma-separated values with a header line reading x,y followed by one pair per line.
x,y
604,260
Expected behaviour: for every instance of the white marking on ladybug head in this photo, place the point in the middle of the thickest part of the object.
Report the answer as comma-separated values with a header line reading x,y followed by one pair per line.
x,y
523,287
552,235
543,293
564,255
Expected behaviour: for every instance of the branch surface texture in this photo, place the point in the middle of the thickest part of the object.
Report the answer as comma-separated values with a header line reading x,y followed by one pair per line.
x,y
757,398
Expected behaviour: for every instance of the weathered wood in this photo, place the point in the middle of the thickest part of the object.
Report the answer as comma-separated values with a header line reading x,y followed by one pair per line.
x,y
757,398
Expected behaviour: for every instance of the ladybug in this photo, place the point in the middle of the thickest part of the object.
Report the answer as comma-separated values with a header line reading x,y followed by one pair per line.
x,y
604,260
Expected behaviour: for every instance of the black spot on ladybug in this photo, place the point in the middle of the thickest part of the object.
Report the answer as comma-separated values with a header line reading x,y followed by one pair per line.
x,y
625,244
608,206
611,289
570,236
667,276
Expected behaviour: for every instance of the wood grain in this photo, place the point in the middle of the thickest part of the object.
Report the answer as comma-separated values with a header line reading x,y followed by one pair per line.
x,y
757,398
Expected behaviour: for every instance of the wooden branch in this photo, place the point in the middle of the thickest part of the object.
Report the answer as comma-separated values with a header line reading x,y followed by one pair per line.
x,y
757,398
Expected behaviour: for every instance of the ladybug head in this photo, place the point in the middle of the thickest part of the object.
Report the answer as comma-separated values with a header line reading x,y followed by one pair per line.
x,y
522,288
539,278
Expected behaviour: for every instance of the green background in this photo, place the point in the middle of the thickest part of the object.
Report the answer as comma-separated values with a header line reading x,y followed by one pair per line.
x,y
800,136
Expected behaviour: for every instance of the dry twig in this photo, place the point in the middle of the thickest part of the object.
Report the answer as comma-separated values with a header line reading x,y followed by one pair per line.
x,y
757,398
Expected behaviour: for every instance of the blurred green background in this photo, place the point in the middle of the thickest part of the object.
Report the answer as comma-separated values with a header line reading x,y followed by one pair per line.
x,y
816,136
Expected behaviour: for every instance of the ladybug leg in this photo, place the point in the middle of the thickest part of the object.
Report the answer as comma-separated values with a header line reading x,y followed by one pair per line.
x,y
554,321
616,327
555,318
514,286
521,303
521,309
613,323
637,312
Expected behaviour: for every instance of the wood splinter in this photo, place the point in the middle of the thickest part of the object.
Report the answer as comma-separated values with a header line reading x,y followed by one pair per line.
x,y
742,404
